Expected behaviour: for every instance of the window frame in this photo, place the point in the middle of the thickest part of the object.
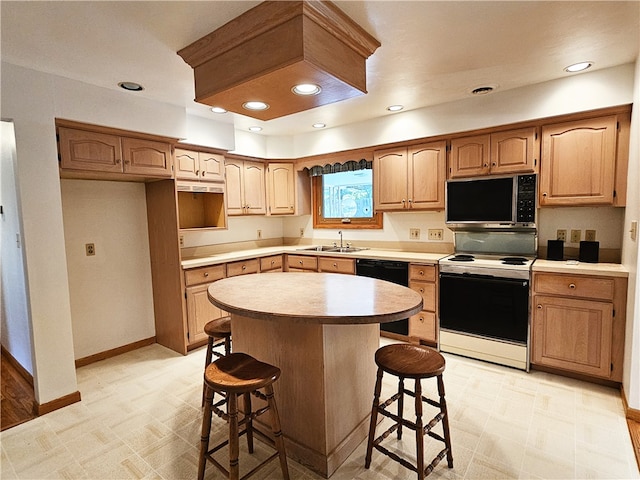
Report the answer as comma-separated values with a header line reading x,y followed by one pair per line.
x,y
319,221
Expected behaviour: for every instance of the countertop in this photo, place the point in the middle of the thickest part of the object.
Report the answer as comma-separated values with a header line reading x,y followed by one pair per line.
x,y
378,254
580,268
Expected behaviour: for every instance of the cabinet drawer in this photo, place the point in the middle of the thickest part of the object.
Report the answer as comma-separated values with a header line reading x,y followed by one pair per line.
x,y
428,292
302,262
337,265
422,272
423,325
203,275
242,268
574,286
271,264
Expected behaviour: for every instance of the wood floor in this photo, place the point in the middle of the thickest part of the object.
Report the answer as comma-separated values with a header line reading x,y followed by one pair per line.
x,y
634,430
16,396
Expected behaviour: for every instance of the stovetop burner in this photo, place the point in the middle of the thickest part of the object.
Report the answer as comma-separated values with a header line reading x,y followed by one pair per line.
x,y
462,258
513,260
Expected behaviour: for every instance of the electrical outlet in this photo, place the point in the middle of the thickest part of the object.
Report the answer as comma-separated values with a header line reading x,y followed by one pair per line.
x,y
561,235
259,234
590,235
576,235
301,232
435,233
90,249
181,240
414,233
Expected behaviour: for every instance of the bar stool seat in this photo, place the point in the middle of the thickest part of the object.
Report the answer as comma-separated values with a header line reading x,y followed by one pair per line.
x,y
216,330
239,374
415,362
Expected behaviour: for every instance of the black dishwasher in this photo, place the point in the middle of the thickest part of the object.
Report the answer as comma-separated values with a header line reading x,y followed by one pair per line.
x,y
396,272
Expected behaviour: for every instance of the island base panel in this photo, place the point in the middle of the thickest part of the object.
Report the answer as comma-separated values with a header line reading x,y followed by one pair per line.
x,y
324,393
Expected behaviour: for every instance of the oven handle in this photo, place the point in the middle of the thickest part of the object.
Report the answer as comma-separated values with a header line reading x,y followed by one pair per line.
x,y
488,278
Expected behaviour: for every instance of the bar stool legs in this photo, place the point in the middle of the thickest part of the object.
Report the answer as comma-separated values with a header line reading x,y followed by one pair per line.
x,y
415,362
233,376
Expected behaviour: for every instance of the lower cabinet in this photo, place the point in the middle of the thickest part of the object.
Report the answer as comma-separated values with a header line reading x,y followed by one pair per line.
x,y
271,264
200,310
337,265
578,324
302,263
423,325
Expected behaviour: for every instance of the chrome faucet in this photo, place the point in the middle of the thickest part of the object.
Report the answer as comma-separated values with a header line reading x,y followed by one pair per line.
x,y
340,233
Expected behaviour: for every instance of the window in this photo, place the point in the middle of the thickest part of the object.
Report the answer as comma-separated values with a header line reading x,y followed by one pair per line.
x,y
344,199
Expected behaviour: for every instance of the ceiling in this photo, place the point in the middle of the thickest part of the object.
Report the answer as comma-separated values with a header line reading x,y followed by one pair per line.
x,y
431,53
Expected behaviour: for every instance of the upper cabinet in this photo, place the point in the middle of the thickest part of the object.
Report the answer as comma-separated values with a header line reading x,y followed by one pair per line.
x,y
281,188
410,178
512,151
245,187
97,152
582,162
194,165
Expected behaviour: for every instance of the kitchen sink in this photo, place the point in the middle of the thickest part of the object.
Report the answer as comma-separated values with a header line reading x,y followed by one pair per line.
x,y
333,249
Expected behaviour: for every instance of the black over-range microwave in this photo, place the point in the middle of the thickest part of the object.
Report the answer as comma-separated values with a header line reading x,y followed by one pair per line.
x,y
491,202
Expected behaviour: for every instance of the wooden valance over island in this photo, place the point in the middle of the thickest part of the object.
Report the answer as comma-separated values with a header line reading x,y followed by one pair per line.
x,y
322,331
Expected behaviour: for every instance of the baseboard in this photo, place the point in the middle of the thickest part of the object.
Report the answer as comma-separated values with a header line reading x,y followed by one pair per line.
x,y
81,362
15,364
42,409
630,413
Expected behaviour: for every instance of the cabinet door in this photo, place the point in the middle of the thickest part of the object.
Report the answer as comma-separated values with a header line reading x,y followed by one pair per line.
x,y
578,162
146,157
186,163
428,293
234,187
98,152
271,264
573,334
469,156
426,175
200,311
254,188
211,167
280,183
514,151
423,326
390,177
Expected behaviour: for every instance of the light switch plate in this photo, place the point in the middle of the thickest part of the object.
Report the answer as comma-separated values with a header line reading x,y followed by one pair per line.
x,y
634,230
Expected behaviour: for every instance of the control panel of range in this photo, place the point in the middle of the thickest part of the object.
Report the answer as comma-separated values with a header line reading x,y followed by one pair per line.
x,y
526,199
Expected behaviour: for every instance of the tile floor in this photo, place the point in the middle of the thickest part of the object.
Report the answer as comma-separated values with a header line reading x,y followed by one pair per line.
x,y
140,418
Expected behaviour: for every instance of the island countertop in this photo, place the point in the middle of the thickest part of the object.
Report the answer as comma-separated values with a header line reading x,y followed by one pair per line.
x,y
327,298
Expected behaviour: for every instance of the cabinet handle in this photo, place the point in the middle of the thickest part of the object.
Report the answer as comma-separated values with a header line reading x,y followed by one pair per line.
x,y
572,286
485,165
422,290
493,164
335,265
539,307
403,200
206,274
244,267
273,262
300,262
198,173
421,272
544,194
421,319
118,161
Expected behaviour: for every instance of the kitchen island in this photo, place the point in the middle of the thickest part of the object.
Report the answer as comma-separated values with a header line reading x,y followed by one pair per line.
x,y
322,331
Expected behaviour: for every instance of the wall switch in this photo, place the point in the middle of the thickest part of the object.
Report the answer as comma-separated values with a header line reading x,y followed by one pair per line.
x,y
633,232
414,233
259,234
576,235
301,232
561,235
590,235
90,249
435,234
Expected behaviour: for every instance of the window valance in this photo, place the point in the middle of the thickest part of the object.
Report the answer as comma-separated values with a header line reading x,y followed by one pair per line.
x,y
350,166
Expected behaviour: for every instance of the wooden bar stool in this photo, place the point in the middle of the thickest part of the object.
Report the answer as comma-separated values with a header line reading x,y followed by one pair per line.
x,y
416,362
235,375
218,330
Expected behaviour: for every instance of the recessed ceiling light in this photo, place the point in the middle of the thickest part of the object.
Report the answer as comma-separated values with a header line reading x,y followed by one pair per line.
x,y
218,110
319,125
395,108
255,105
578,67
255,129
482,90
306,89
131,86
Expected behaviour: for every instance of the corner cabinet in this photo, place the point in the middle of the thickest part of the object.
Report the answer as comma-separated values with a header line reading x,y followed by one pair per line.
x,y
511,151
578,323
581,163
245,187
94,151
410,178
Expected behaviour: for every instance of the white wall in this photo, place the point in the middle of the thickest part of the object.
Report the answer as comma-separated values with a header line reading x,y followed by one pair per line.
x,y
110,292
630,255
15,328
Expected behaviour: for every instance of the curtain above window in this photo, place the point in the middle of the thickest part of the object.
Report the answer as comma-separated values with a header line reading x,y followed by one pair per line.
x,y
350,166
